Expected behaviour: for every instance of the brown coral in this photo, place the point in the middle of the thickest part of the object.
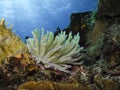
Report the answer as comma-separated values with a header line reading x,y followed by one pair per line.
x,y
47,85
10,44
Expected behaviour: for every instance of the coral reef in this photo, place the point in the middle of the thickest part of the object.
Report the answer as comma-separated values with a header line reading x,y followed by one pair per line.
x,y
57,52
49,56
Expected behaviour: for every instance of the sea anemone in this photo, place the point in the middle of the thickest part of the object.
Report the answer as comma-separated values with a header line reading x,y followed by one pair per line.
x,y
58,52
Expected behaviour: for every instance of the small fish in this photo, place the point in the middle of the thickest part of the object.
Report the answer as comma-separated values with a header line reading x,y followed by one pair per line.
x,y
83,26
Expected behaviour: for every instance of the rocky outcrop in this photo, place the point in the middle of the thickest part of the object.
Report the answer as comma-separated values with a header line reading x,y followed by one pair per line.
x,y
104,47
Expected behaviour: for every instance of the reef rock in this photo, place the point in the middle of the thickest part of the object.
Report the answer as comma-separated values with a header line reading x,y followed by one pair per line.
x,y
106,84
106,28
109,8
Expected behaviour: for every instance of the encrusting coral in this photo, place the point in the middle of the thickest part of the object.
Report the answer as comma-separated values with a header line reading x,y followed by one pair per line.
x,y
47,85
10,44
58,52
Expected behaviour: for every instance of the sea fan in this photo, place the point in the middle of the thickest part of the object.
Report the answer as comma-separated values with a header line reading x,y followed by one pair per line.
x,y
58,52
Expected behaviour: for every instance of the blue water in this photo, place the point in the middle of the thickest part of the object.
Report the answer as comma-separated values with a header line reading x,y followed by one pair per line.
x,y
25,15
